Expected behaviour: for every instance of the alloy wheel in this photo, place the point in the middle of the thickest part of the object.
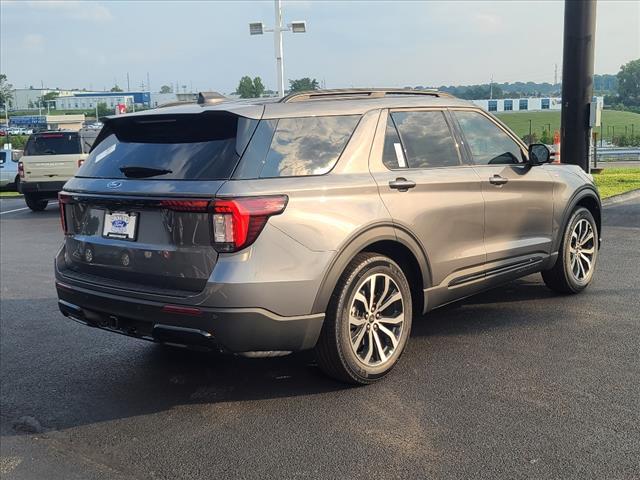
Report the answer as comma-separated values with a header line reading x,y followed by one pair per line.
x,y
376,319
582,250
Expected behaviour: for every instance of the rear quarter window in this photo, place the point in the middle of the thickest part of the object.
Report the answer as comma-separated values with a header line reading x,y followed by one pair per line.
x,y
291,147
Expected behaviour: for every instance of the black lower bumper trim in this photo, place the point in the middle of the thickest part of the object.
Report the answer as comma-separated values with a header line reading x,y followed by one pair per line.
x,y
230,329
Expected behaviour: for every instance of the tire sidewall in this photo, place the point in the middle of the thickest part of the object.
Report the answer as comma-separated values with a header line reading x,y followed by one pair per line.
x,y
373,265
575,284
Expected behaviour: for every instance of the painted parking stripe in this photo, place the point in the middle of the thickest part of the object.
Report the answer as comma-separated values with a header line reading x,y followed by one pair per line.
x,y
23,208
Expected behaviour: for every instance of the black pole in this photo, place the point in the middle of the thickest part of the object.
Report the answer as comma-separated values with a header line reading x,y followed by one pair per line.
x,y
577,80
530,140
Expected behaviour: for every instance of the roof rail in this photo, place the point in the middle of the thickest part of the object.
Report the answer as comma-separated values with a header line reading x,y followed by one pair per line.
x,y
353,93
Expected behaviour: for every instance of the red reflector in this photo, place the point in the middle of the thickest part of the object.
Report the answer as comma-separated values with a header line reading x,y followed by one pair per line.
x,y
186,205
192,311
21,169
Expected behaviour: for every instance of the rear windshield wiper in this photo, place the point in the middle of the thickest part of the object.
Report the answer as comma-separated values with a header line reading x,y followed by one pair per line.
x,y
143,172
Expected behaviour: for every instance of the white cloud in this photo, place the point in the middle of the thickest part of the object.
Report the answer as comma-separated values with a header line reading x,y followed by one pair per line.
x,y
33,42
488,22
75,9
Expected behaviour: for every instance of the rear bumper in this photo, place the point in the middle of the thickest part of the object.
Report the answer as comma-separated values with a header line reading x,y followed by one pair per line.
x,y
227,329
42,189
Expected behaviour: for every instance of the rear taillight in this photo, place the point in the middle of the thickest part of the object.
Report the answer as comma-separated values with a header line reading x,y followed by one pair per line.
x,y
80,162
237,222
186,205
21,169
63,199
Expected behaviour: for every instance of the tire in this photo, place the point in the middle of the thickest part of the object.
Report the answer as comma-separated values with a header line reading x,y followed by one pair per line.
x,y
568,274
376,352
35,203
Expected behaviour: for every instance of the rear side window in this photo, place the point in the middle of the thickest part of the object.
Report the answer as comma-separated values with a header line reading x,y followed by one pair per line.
x,y
307,146
426,139
55,143
3,157
204,146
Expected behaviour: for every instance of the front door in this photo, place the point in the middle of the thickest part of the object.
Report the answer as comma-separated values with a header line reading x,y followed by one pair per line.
x,y
518,197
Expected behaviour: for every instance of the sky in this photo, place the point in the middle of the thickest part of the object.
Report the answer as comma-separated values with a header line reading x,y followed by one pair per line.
x,y
206,45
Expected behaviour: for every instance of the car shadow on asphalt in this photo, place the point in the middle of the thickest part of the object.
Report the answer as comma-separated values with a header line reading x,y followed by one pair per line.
x,y
108,377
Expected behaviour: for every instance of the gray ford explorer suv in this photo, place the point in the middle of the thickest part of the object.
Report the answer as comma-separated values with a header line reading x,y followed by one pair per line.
x,y
324,220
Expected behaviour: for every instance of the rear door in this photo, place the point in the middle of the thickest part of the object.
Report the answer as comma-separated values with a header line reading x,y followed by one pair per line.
x,y
430,192
52,156
518,197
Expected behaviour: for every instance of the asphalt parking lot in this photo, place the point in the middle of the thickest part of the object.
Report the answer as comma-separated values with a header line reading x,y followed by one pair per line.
x,y
514,383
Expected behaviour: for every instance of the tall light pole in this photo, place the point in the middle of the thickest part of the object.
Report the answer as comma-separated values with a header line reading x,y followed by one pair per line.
x,y
258,28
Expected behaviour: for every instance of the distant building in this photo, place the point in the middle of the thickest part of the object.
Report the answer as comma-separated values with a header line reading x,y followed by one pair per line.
x,y
28,98
159,99
517,104
91,101
139,98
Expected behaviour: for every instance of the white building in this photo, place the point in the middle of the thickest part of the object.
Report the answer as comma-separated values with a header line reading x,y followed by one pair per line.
x,y
159,99
86,102
28,98
516,104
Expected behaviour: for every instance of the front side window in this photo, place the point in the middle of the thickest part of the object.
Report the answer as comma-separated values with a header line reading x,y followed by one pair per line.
x,y
426,139
308,145
489,145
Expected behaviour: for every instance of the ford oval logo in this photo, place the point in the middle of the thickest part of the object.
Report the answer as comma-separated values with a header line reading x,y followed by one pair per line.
x,y
114,184
119,224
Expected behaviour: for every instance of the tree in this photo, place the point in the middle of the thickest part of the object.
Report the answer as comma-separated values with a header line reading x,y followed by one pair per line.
x,y
116,88
104,110
303,84
258,87
248,88
5,91
166,89
629,83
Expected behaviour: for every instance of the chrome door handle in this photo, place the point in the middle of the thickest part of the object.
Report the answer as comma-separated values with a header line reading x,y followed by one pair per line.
x,y
498,180
402,184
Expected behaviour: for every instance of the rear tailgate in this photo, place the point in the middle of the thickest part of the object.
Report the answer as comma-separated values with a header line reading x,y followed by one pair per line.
x,y
138,214
50,168
161,244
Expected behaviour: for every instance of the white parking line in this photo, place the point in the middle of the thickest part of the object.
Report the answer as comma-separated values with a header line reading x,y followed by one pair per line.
x,y
23,208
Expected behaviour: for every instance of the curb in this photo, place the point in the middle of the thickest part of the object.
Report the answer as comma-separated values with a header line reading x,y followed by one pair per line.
x,y
623,197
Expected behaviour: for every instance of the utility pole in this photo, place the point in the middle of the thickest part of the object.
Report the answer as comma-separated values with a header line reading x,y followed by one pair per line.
x,y
277,35
577,80
555,75
491,88
148,83
128,86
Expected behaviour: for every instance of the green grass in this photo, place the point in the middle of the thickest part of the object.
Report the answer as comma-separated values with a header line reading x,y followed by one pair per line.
x,y
9,194
614,181
519,122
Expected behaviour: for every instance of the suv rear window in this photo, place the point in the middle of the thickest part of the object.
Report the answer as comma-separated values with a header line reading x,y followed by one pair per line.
x,y
291,147
54,143
204,146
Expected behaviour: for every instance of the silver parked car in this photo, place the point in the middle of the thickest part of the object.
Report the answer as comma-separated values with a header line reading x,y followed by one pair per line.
x,y
324,220
9,176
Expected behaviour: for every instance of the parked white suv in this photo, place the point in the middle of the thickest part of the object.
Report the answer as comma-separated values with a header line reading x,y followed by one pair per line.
x,y
50,159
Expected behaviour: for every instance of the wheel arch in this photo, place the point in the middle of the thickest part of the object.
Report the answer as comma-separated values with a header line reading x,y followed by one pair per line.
x,y
588,198
389,240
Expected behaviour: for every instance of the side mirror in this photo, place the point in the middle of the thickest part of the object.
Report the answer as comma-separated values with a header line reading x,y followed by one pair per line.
x,y
538,154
